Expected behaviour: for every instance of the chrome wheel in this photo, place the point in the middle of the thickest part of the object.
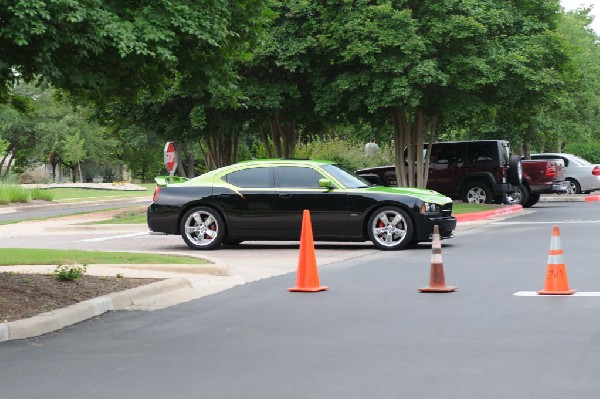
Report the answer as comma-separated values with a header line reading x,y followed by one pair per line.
x,y
476,195
202,228
390,228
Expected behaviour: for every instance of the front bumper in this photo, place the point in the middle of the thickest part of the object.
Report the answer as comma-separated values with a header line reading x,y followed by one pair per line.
x,y
446,225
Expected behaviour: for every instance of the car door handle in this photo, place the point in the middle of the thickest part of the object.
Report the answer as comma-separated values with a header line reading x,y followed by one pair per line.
x,y
285,195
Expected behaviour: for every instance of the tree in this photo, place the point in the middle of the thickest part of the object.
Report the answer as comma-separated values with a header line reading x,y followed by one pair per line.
x,y
417,63
74,152
114,49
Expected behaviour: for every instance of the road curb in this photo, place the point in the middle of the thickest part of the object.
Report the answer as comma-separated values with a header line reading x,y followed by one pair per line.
x,y
474,216
76,313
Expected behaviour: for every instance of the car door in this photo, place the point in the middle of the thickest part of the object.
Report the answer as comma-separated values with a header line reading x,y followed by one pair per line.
x,y
444,165
298,189
249,202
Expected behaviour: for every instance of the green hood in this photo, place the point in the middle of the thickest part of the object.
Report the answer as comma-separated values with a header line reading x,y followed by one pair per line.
x,y
420,193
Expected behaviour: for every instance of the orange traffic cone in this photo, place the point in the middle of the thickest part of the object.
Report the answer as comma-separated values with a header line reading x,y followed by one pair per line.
x,y
437,282
307,278
557,282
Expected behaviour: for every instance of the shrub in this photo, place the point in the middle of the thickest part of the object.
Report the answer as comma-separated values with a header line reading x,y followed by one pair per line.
x,y
348,154
41,194
589,151
70,272
12,193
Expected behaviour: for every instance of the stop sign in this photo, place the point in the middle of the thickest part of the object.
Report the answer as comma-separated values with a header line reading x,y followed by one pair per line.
x,y
170,157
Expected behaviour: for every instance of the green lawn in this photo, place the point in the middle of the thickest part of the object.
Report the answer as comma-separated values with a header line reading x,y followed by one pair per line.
x,y
467,208
85,194
13,256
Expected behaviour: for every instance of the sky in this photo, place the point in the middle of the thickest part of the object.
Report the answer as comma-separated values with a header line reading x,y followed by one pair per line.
x,y
573,4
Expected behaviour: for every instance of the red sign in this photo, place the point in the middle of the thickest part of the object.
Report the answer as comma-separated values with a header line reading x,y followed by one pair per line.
x,y
170,157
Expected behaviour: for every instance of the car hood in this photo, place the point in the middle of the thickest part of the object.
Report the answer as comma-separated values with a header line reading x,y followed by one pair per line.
x,y
420,193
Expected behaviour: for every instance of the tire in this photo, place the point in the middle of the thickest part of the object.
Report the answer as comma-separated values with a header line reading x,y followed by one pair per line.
x,y
574,187
202,228
520,197
477,192
515,170
390,228
533,199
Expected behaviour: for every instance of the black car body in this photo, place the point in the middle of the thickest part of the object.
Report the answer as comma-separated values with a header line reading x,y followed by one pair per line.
x,y
265,200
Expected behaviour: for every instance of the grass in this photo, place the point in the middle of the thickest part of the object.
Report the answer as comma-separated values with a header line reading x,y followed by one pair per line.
x,y
13,256
11,193
467,208
86,194
126,217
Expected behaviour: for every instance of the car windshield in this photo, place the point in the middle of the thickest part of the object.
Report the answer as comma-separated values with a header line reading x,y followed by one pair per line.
x,y
347,178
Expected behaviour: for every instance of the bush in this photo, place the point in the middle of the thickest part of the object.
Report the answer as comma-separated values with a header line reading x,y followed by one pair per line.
x,y
70,272
589,151
12,193
348,154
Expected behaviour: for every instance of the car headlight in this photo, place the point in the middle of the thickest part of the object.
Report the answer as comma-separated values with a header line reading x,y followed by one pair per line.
x,y
431,209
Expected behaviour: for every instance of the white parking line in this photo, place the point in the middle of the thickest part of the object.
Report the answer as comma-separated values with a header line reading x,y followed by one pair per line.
x,y
115,237
533,293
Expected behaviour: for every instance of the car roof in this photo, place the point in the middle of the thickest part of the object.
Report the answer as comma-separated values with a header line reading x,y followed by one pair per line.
x,y
286,161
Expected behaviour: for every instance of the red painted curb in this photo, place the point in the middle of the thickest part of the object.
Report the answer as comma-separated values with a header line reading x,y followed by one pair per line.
x,y
472,216
592,198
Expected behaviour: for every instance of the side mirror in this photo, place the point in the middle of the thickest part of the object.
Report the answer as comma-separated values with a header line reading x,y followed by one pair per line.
x,y
325,183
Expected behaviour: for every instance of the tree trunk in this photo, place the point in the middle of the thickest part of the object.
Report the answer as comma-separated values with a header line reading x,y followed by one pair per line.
x,y
410,131
221,150
282,136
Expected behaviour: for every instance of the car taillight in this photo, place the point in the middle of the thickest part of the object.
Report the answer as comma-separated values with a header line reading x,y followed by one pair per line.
x,y
156,191
551,171
596,170
503,171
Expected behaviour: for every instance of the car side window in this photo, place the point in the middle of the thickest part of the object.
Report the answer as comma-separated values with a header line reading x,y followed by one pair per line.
x,y
297,177
445,154
251,178
480,153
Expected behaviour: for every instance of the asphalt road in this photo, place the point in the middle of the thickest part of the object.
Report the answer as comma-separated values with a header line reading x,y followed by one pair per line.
x,y
371,335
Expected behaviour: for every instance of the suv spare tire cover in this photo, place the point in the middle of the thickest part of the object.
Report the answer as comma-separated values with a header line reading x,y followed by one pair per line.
x,y
515,170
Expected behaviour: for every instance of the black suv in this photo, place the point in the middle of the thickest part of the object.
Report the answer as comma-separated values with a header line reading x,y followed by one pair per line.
x,y
478,171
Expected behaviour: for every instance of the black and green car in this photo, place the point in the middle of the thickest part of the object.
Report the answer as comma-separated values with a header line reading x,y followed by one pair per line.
x,y
265,199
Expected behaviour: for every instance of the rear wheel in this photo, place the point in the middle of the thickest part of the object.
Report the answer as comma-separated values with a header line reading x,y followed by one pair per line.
x,y
533,199
202,228
573,187
477,192
520,197
390,228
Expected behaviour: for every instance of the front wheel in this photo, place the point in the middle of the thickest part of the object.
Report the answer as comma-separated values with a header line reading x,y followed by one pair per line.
x,y
202,228
390,228
477,192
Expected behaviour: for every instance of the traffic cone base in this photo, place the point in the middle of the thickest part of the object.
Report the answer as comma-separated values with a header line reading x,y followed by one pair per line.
x,y
556,282
311,289
438,289
307,277
437,281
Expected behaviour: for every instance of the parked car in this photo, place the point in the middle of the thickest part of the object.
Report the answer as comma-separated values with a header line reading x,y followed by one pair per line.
x,y
478,171
540,176
582,175
265,200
